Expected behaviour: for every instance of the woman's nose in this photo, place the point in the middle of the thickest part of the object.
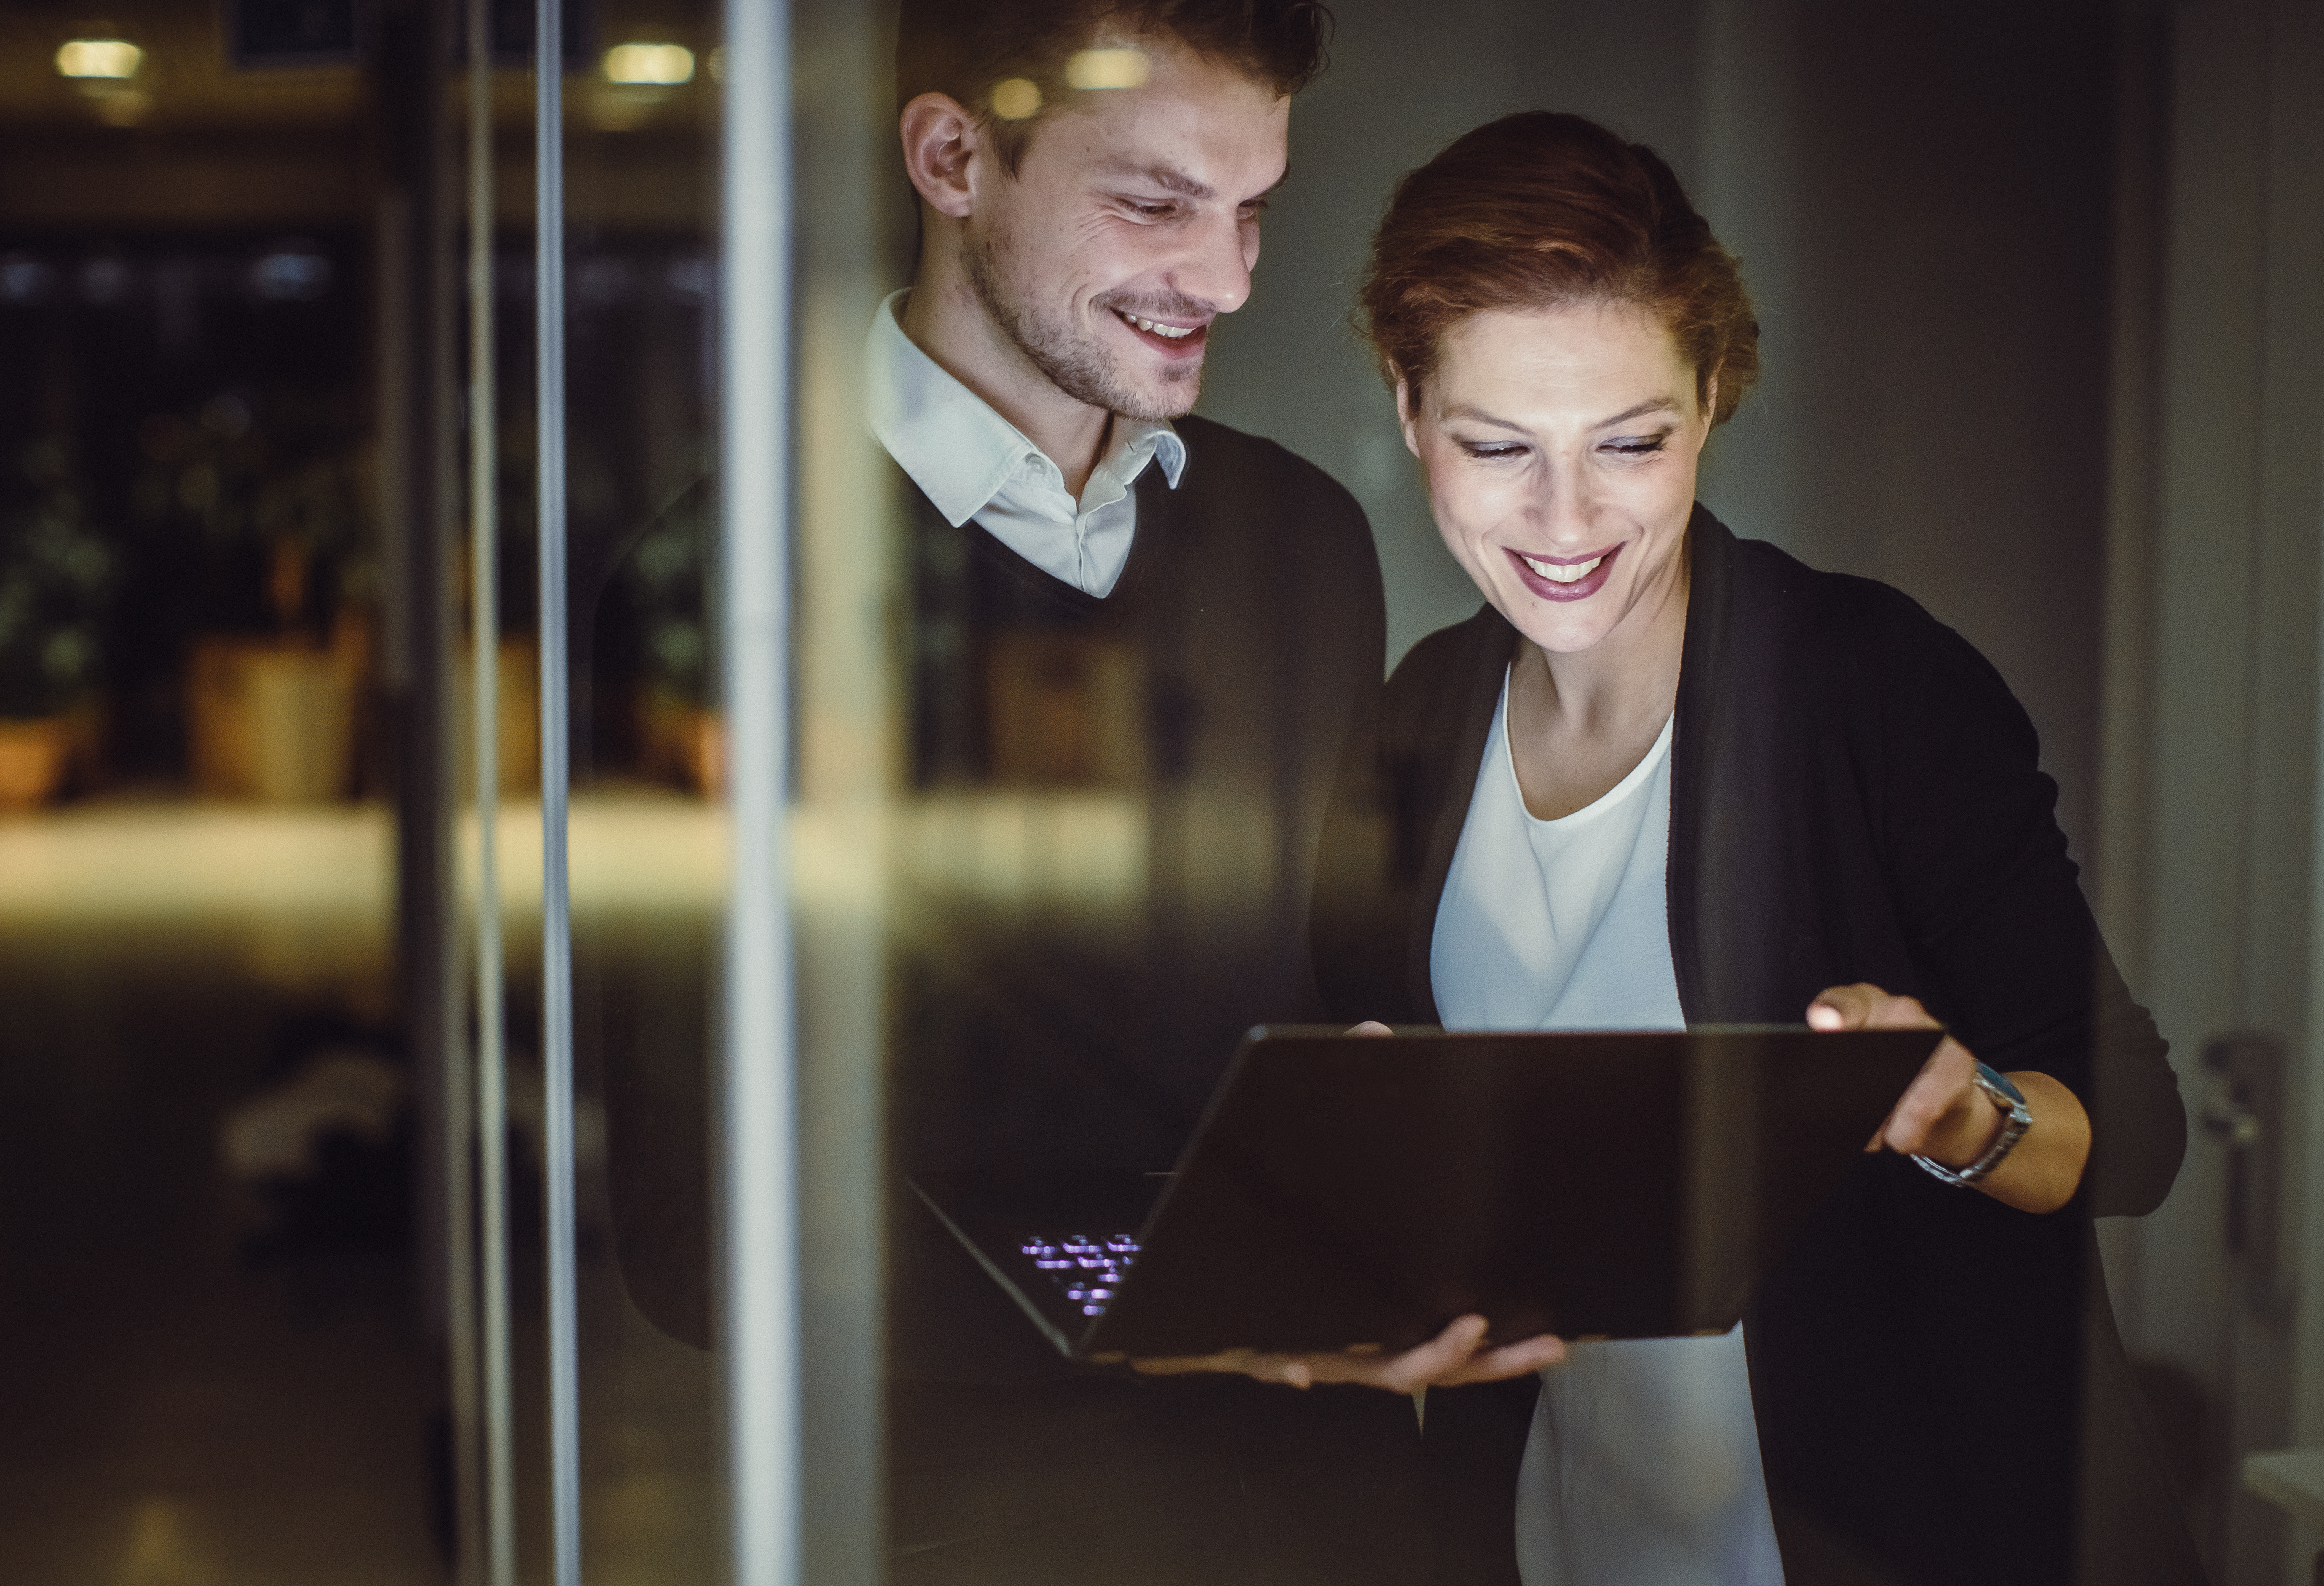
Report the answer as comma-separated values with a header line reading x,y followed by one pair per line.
x,y
1559,505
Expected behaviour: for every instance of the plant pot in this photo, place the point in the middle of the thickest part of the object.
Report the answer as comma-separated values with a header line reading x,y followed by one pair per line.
x,y
32,761
518,738
271,722
683,742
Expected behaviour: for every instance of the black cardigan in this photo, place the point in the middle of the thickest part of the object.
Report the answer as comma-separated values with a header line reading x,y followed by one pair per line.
x,y
1855,796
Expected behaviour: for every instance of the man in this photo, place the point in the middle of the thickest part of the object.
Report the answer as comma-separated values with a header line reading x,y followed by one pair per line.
x,y
1142,642
1181,624
1176,613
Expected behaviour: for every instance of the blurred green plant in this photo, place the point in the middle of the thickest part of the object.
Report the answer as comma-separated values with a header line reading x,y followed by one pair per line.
x,y
57,574
286,491
668,572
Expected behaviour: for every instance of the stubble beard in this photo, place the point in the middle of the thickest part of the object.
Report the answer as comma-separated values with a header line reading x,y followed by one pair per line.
x,y
1075,364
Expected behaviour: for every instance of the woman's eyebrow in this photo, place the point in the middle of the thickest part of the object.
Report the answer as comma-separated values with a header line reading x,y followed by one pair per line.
x,y
1478,415
1661,404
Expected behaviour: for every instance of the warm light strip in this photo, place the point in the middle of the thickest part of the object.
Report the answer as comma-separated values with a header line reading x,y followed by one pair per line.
x,y
1108,68
657,65
113,57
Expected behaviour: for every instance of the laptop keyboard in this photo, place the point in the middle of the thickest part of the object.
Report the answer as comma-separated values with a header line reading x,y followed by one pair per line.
x,y
1086,1267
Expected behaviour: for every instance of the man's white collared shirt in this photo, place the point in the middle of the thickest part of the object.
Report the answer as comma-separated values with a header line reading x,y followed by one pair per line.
x,y
971,462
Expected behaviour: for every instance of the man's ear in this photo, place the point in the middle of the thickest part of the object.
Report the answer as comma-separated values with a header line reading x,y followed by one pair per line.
x,y
1406,420
940,142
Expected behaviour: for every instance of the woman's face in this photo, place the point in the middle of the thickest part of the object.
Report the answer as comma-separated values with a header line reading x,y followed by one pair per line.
x,y
1561,446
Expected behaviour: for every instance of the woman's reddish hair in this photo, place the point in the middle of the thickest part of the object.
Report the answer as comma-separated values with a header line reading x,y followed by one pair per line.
x,y
1540,210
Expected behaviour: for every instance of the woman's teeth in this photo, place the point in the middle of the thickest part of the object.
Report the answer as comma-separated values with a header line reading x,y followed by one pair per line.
x,y
1167,332
1558,575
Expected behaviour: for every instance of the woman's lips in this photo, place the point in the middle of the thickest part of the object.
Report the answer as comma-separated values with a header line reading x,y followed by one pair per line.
x,y
1581,589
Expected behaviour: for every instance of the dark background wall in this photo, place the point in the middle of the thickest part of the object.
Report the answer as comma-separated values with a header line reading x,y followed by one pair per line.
x,y
1922,203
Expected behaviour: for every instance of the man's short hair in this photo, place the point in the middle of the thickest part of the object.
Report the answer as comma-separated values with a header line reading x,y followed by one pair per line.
x,y
967,49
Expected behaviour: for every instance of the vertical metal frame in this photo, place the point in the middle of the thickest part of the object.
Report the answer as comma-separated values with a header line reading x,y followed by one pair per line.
x,y
499,1495
761,1239
556,761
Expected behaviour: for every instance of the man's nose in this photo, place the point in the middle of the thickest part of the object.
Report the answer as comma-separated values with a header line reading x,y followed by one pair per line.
x,y
1214,270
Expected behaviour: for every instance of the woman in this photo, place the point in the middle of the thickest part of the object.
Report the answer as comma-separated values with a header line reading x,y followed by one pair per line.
x,y
1669,776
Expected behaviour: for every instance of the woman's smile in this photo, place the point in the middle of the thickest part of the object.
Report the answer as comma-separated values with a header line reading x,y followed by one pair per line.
x,y
1566,578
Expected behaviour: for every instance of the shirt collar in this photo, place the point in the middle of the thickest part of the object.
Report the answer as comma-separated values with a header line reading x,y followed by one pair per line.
x,y
954,446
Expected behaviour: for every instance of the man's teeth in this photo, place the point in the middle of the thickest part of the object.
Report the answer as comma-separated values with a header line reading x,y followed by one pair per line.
x,y
1169,332
1557,574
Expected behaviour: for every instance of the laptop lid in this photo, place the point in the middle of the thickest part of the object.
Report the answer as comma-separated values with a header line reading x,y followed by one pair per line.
x,y
1364,1191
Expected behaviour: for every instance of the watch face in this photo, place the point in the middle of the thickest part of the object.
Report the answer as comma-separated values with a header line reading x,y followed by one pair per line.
x,y
1995,1080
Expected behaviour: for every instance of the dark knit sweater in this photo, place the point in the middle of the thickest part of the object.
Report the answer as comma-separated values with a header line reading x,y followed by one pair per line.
x,y
1211,695
1212,692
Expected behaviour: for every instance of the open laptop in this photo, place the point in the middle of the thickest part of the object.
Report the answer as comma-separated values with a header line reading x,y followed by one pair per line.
x,y
1364,1191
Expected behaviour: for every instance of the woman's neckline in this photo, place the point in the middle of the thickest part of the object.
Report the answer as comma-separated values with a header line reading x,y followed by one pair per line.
x,y
1633,780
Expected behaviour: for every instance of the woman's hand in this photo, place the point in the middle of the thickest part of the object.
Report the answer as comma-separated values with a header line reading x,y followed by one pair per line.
x,y
1944,1117
1455,1356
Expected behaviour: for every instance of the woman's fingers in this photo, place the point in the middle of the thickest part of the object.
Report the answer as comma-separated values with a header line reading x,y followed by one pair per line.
x,y
1866,1007
1456,1355
1935,1105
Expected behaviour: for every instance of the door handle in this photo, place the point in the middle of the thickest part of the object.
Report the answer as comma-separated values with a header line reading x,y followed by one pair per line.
x,y
2249,1120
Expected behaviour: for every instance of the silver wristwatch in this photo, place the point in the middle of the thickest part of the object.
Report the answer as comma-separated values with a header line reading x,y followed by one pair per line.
x,y
2015,1120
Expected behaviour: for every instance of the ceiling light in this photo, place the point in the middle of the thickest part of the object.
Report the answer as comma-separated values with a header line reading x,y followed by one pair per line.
x,y
1108,68
1016,98
656,64
113,58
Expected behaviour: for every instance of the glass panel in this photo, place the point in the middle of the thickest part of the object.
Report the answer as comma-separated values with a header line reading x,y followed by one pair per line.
x,y
647,841
221,951
2038,324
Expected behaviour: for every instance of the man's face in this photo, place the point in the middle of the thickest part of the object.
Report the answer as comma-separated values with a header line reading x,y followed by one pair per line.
x,y
1132,224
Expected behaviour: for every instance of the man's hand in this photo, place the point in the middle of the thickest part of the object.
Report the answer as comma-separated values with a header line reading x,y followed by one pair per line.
x,y
1944,1117
1455,1356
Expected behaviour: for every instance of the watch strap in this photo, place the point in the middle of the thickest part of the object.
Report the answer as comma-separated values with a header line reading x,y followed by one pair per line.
x,y
2016,1118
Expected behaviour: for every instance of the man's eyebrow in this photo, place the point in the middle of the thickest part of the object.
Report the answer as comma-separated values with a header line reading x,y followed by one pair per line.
x,y
1168,178
1172,180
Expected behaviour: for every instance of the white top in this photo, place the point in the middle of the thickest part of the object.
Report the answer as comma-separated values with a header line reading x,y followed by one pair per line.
x,y
1643,1465
971,462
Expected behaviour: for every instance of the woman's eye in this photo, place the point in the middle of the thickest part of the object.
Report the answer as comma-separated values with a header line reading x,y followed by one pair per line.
x,y
1635,447
1491,453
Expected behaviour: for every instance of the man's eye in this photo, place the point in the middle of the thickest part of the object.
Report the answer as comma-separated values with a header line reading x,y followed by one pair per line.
x,y
1154,211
